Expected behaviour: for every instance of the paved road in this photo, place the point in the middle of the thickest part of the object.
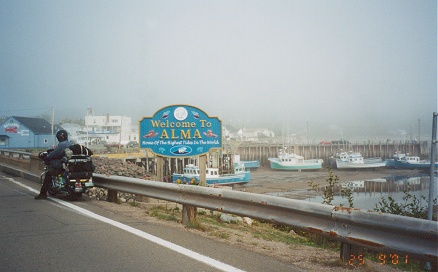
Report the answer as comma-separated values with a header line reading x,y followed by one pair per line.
x,y
57,235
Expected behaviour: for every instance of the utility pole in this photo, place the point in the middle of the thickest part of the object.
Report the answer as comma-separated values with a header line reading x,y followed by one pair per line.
x,y
53,127
432,176
308,140
432,168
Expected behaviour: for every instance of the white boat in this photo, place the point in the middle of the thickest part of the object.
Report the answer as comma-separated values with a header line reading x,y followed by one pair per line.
x,y
354,184
291,161
190,176
355,160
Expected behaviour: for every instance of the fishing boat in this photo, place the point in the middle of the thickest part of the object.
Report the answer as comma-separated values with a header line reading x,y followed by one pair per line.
x,y
405,161
251,164
190,176
292,161
254,164
355,160
390,163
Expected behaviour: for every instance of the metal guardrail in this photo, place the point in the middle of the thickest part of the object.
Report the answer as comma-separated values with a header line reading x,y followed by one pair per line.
x,y
15,154
24,160
385,233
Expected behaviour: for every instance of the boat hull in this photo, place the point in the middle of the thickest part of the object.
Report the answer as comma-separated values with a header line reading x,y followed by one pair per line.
x,y
251,164
342,165
227,179
306,165
408,165
390,163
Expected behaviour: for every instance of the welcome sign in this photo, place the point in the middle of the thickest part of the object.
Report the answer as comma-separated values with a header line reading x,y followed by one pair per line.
x,y
180,131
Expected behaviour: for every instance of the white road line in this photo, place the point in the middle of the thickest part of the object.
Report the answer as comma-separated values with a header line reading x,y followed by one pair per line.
x,y
187,252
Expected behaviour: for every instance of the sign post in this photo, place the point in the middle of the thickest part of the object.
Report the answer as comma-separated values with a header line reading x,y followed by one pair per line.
x,y
160,168
202,170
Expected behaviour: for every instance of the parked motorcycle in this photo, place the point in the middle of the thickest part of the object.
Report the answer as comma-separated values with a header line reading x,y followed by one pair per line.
x,y
74,178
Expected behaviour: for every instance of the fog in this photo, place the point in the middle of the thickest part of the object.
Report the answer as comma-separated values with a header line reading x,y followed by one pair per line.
x,y
326,69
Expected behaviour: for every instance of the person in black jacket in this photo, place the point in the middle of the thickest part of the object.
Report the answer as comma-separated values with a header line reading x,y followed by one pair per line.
x,y
53,160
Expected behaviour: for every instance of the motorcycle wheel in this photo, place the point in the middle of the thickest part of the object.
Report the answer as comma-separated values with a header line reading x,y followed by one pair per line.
x,y
52,191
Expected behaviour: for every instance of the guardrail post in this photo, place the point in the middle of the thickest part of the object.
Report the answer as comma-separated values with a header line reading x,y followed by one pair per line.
x,y
36,164
351,255
188,214
112,196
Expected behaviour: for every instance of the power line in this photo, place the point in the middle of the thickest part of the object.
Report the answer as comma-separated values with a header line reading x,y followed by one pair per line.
x,y
27,110
24,109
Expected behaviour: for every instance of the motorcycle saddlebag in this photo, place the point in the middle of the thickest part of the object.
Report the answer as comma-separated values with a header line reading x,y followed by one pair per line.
x,y
80,163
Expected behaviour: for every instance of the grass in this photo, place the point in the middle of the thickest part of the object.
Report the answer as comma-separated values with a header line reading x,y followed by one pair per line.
x,y
209,223
268,232
163,214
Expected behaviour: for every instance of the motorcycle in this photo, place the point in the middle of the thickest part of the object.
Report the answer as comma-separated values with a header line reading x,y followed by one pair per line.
x,y
74,177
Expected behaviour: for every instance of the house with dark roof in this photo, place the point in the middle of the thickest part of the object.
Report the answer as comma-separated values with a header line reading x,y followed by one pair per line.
x,y
26,132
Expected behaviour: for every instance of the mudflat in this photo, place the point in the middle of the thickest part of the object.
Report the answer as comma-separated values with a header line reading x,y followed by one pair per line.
x,y
265,180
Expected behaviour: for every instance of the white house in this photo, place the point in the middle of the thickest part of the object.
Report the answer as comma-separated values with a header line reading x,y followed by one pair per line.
x,y
254,134
109,128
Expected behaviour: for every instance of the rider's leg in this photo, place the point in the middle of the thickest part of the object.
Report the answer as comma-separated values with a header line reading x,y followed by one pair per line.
x,y
45,186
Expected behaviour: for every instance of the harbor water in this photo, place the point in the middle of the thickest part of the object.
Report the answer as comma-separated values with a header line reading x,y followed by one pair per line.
x,y
368,194
367,187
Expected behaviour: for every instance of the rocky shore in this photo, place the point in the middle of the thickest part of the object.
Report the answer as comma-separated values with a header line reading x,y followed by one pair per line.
x,y
117,167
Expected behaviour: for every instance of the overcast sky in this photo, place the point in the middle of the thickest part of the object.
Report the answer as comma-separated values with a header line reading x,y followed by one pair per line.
x,y
340,68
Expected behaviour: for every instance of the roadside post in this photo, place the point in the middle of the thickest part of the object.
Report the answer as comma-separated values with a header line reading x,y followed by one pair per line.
x,y
432,168
432,176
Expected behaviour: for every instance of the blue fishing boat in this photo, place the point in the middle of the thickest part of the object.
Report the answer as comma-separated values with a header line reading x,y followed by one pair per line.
x,y
405,161
390,163
251,164
190,176
254,164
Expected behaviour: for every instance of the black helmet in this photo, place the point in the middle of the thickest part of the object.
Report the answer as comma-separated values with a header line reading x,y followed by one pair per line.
x,y
62,135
